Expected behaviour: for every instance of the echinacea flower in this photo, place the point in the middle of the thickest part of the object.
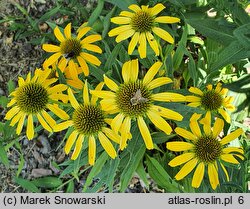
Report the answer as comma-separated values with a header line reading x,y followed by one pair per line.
x,y
134,100
33,98
204,150
88,121
73,49
212,100
74,82
140,24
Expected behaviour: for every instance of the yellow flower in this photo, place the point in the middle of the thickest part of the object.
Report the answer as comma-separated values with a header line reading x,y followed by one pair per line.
x,y
204,150
212,100
134,99
140,23
73,50
70,79
88,121
32,98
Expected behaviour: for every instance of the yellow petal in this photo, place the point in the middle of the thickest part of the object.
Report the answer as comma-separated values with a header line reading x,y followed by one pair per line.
x,y
78,148
213,176
30,127
145,133
117,122
58,34
126,71
157,9
44,123
90,58
20,124
82,32
72,99
86,94
92,150
167,113
152,72
70,141
193,99
111,134
218,127
126,14
142,49
195,90
93,48
12,112
158,82
198,175
194,104
167,19
179,146
195,128
218,87
103,94
57,88
163,34
183,158
159,122
153,43
73,70
67,31
50,48
109,105
118,30
58,111
48,118
62,126
233,149
206,121
107,145
134,7
225,171
120,20
209,87
84,66
185,134
186,169
125,132
110,83
134,70
52,59
125,35
16,118
133,42
90,39
235,134
78,84
93,97
168,97
225,115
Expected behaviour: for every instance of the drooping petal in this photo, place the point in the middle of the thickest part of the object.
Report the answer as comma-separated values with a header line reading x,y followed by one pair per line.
x,y
185,134
225,171
92,150
198,175
30,127
117,122
90,58
44,123
62,126
125,35
186,169
78,148
12,112
72,99
58,111
213,176
218,127
118,30
152,72
93,48
235,134
229,158
153,43
48,118
145,133
183,158
16,118
52,59
125,132
163,34
70,141
83,64
20,124
225,115
142,49
168,97
167,19
159,122
233,149
133,42
111,134
107,145
179,146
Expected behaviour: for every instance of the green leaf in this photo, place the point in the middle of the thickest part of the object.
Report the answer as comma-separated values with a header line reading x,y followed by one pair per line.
x,y
96,13
26,184
124,4
111,59
47,182
210,28
49,14
3,156
112,172
106,22
142,174
160,176
11,86
3,101
70,187
96,169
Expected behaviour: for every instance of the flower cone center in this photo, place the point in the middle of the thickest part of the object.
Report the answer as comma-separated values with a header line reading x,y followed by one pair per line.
x,y
142,21
208,149
133,99
211,100
71,48
32,98
88,119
